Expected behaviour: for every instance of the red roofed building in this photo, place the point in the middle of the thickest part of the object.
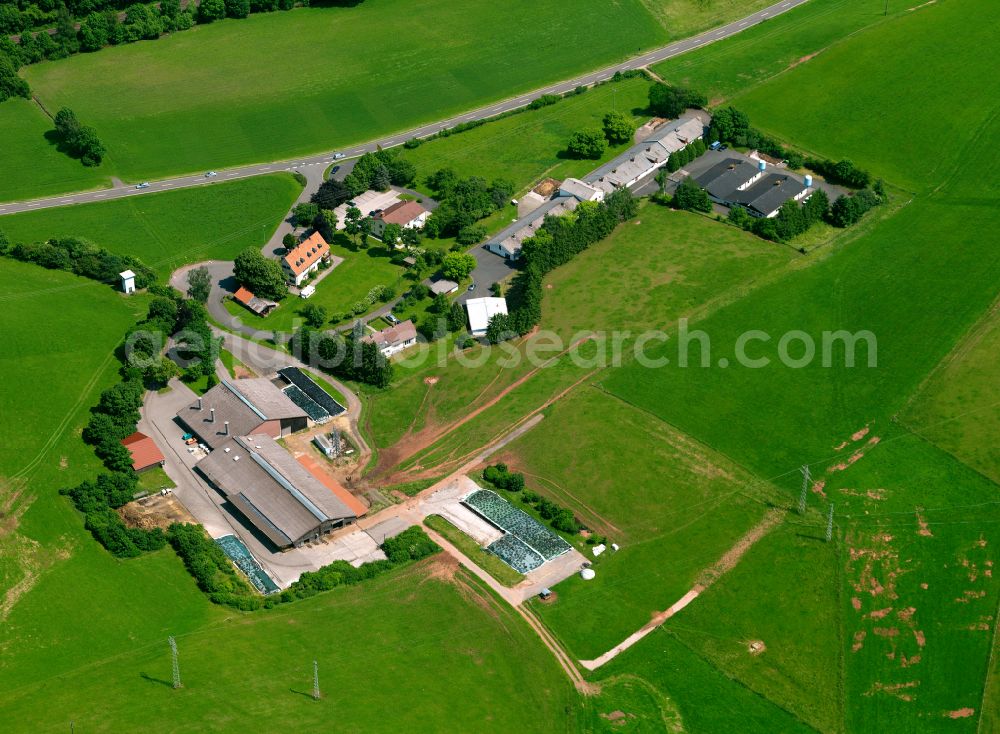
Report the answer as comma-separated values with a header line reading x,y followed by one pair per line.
x,y
260,306
145,454
305,258
407,214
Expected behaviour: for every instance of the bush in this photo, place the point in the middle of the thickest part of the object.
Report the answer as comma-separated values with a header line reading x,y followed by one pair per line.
x,y
299,178
587,144
413,143
544,101
499,476
842,172
691,197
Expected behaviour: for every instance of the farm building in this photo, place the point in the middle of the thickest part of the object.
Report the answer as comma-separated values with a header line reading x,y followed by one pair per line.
x,y
260,306
740,181
636,164
308,395
508,242
394,339
368,203
145,454
407,214
643,159
481,310
304,259
443,286
277,494
240,408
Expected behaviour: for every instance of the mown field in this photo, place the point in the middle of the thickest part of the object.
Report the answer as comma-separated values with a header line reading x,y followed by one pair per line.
x,y
171,229
736,64
531,145
31,165
958,408
649,273
430,651
213,105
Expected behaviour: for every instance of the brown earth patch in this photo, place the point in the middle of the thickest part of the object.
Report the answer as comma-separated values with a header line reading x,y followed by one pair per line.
x,y
756,647
155,511
731,557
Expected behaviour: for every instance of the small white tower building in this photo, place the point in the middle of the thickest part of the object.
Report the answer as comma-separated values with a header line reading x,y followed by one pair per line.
x,y
128,281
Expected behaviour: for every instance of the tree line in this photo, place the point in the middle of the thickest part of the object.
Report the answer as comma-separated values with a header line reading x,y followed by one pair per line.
x,y
346,356
80,257
556,242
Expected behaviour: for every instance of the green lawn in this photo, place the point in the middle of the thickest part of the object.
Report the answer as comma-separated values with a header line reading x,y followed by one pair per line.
x,y
33,167
349,283
197,100
485,560
171,229
527,147
155,479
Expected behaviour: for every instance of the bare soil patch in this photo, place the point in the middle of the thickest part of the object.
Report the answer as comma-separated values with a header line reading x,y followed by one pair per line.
x,y
155,511
734,554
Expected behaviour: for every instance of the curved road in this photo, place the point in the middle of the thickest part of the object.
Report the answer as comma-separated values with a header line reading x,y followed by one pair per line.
x,y
308,165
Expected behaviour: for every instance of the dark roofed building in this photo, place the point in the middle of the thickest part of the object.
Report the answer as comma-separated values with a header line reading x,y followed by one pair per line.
x,y
239,408
728,176
278,495
764,198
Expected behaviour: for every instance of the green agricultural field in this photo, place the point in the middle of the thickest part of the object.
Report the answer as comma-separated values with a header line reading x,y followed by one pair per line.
x,y
210,106
31,166
171,229
429,652
673,506
529,146
799,666
650,272
934,86
735,64
958,409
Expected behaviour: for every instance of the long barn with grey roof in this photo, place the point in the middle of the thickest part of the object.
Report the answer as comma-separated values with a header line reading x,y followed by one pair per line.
x,y
277,494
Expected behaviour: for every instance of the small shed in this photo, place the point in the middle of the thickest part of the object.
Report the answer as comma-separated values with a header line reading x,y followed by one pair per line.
x,y
145,454
128,281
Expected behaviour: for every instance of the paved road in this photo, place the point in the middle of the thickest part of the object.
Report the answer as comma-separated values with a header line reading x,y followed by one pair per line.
x,y
307,165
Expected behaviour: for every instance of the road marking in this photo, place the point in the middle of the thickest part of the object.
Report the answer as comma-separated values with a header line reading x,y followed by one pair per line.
x,y
743,24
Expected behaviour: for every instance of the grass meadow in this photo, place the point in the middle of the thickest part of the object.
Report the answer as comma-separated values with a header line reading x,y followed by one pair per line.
x,y
673,506
170,229
254,90
31,166
733,65
957,408
529,146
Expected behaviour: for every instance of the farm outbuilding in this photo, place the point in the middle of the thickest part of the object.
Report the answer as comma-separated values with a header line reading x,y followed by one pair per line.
x,y
239,408
279,496
145,453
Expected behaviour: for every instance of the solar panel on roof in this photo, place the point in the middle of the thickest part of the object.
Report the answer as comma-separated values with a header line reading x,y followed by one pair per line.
x,y
313,409
307,385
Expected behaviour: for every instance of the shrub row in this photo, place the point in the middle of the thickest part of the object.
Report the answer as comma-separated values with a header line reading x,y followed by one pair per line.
x,y
217,577
98,500
500,476
842,172
80,257
729,125
561,518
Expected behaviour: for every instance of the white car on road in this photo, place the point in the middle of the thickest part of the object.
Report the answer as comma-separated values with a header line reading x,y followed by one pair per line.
x,y
338,156
143,185
211,174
